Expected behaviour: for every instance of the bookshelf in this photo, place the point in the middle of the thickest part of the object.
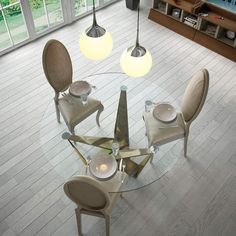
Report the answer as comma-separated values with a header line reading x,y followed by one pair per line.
x,y
210,29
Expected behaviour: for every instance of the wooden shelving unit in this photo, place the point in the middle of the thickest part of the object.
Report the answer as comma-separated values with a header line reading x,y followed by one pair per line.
x,y
209,31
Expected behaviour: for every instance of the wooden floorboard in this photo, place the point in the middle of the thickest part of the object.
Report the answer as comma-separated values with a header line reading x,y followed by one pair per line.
x,y
196,197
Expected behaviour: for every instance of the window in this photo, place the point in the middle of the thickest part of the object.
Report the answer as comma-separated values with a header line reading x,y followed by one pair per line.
x,y
82,6
12,24
46,13
24,20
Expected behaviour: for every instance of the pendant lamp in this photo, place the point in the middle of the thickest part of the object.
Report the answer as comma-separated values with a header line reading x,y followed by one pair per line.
x,y
136,61
95,42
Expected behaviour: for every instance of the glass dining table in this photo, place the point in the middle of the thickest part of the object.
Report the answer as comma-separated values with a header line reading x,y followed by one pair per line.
x,y
121,115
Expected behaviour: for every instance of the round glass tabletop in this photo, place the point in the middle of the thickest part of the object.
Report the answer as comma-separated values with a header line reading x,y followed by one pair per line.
x,y
106,88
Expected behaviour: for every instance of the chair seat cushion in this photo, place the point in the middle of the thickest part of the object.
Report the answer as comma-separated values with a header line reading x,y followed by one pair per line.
x,y
160,133
74,111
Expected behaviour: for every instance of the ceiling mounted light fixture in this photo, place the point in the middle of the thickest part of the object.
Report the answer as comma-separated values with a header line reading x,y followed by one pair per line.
x,y
95,42
136,61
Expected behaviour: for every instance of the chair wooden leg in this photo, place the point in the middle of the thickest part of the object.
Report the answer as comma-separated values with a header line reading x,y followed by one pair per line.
x,y
151,158
72,130
98,115
79,221
185,145
107,218
57,112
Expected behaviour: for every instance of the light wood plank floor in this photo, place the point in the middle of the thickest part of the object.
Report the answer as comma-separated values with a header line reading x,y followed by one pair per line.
x,y
196,197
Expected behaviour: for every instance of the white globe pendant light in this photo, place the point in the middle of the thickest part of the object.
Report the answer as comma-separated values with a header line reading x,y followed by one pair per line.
x,y
95,43
136,61
136,66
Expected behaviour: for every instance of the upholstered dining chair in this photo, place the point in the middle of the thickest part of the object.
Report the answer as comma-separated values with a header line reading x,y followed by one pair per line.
x,y
58,70
92,197
159,133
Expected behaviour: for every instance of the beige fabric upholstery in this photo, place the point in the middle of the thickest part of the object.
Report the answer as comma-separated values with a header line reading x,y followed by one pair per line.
x,y
58,70
193,100
160,133
93,197
57,65
113,186
87,193
73,111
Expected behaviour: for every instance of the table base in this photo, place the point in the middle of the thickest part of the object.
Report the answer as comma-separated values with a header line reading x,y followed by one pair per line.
x,y
121,135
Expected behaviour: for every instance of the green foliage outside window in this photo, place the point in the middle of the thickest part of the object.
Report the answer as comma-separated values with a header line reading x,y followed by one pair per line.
x,y
16,10
35,4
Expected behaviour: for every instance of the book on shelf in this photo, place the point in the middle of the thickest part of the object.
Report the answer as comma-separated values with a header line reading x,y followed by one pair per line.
x,y
191,20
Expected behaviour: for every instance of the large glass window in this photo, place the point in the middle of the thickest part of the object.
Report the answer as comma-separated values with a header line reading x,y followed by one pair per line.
x,y
46,13
25,20
82,6
12,23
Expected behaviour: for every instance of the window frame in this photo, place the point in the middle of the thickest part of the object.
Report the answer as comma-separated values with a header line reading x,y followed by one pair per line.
x,y
68,12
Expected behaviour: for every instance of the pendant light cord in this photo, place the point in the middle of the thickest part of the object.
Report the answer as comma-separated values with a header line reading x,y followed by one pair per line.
x,y
137,38
94,15
138,51
95,30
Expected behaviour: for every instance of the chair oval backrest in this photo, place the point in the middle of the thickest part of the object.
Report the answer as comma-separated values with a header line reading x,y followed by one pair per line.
x,y
87,193
57,65
195,95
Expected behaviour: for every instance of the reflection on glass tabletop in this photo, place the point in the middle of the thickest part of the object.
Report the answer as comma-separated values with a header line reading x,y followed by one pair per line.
x,y
68,163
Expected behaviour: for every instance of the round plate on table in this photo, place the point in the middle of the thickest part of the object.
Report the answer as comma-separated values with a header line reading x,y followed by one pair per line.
x,y
103,167
164,112
80,88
